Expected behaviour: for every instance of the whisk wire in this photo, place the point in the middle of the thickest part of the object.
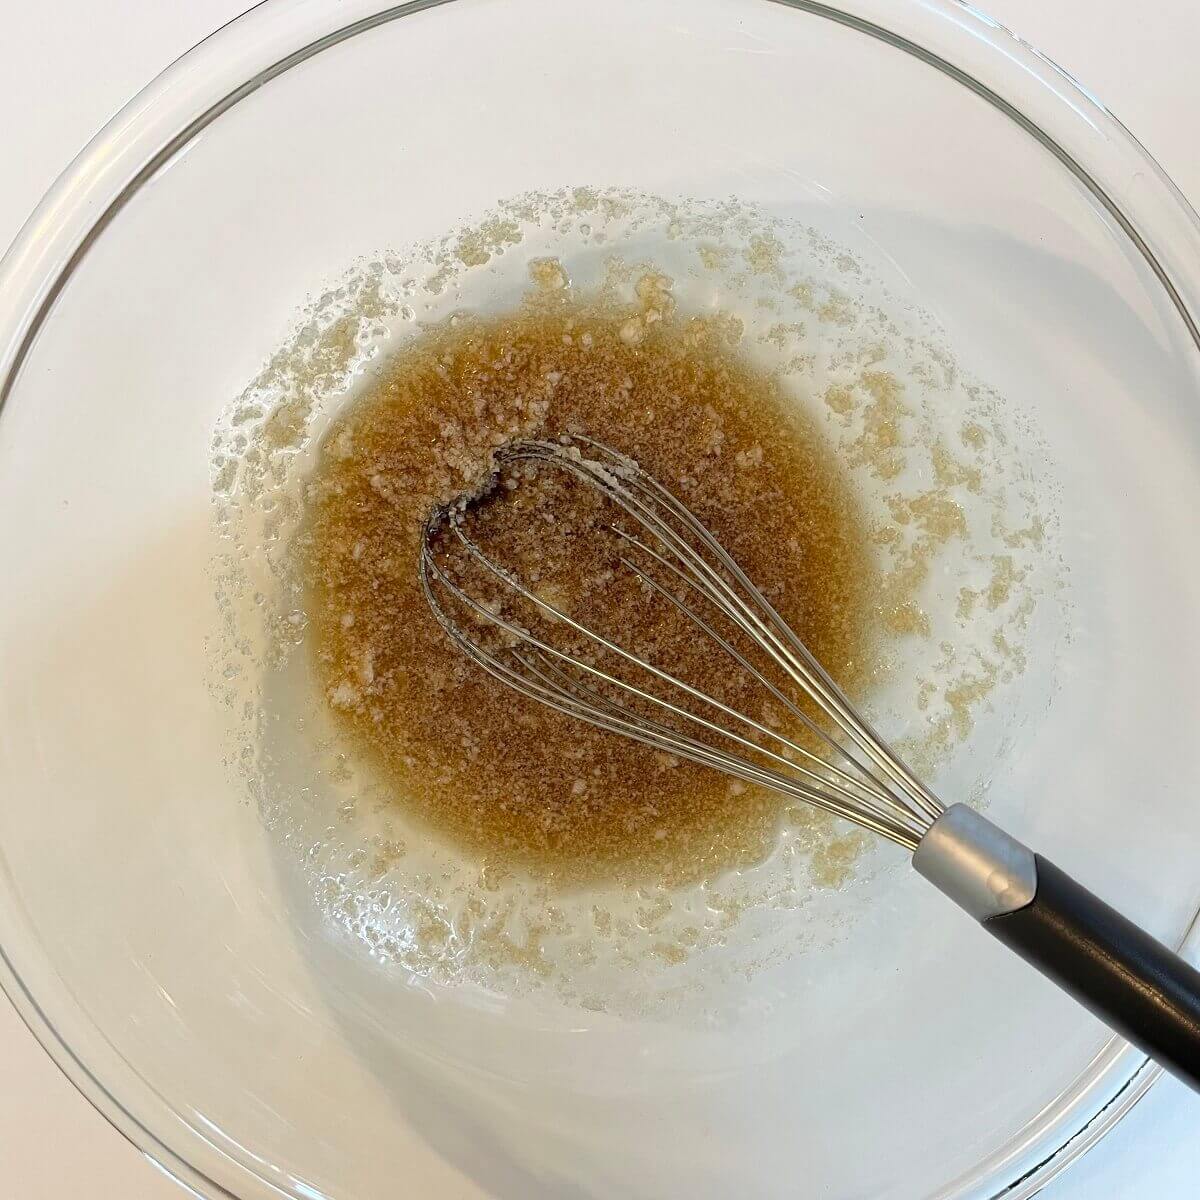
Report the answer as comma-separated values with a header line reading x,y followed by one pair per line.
x,y
645,665
729,649
877,792
604,714
696,751
807,672
775,635
873,788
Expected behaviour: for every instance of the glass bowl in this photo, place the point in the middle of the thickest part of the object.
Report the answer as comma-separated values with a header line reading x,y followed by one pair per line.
x,y
148,934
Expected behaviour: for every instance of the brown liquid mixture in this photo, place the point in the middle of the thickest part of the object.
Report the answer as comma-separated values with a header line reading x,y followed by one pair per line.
x,y
504,776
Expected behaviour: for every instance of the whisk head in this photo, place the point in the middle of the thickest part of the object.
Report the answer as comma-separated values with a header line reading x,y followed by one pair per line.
x,y
828,755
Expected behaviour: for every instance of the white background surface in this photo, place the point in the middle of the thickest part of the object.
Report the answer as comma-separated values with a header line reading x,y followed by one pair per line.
x,y
67,65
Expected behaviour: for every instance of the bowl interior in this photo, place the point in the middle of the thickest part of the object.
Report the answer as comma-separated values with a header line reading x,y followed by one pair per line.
x,y
170,934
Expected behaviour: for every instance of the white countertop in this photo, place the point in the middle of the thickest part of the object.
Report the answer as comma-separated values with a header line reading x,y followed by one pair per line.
x,y
67,65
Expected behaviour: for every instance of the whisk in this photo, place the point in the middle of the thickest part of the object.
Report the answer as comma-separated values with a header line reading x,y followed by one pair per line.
x,y
839,763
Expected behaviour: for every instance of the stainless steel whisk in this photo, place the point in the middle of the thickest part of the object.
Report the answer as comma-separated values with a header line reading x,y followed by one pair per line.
x,y
1130,980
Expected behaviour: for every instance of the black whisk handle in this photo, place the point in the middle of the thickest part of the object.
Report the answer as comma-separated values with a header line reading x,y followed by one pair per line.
x,y
1131,981
1136,985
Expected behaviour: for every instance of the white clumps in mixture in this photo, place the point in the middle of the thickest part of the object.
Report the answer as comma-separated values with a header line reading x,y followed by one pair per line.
x,y
345,695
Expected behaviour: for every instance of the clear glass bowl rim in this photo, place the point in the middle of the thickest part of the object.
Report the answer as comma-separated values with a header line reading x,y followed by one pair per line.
x,y
952,37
